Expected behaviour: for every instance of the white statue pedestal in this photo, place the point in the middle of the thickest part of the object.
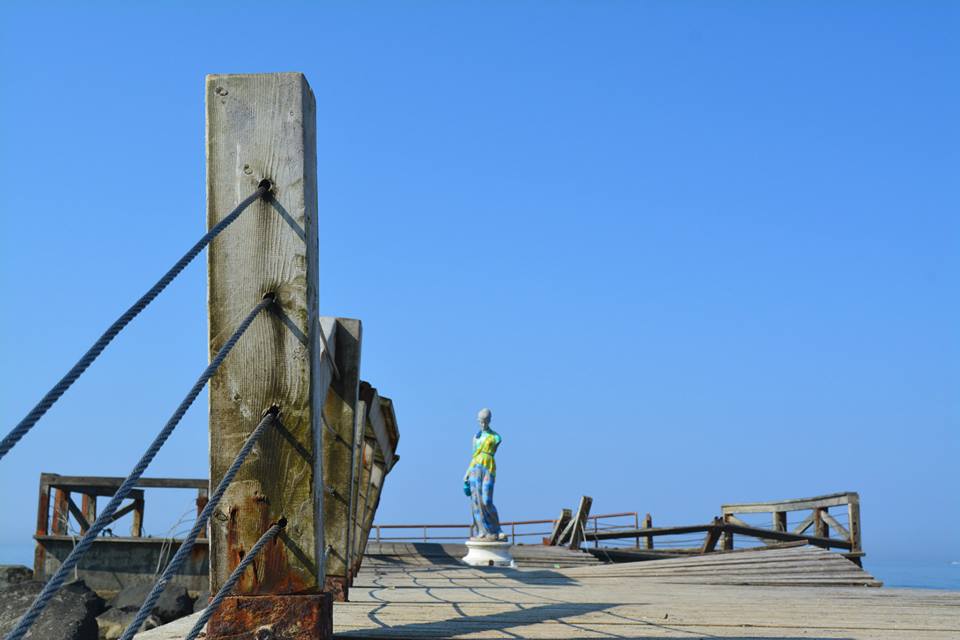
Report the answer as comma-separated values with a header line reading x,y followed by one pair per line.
x,y
481,553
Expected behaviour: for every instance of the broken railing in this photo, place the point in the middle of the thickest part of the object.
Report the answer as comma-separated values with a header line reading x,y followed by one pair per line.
x,y
789,522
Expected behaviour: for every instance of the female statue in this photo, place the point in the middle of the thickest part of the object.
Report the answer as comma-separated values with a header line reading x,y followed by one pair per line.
x,y
479,479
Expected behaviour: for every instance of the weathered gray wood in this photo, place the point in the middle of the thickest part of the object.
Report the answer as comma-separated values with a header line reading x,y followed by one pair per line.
x,y
378,423
340,416
365,398
559,526
853,521
81,484
805,524
797,504
830,520
262,127
579,522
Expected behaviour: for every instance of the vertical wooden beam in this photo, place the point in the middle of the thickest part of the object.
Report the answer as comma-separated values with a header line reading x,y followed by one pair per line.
x,y
779,520
820,528
648,524
359,473
43,526
263,127
88,505
61,512
203,497
136,527
340,414
727,544
853,522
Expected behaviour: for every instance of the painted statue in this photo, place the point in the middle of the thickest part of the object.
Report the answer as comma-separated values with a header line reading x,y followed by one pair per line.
x,y
479,480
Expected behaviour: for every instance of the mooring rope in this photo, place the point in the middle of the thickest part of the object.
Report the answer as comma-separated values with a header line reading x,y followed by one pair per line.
x,y
227,587
187,545
53,585
87,359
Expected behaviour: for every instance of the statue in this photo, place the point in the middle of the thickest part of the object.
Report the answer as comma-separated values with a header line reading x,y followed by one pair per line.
x,y
479,480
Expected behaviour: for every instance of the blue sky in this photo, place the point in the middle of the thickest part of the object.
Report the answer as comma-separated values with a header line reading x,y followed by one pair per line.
x,y
688,252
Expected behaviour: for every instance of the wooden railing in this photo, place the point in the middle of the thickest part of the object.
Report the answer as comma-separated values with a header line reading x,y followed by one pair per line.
x,y
92,487
826,526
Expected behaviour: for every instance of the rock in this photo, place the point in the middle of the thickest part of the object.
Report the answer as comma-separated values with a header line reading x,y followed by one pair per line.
x,y
201,602
114,622
174,602
71,614
11,574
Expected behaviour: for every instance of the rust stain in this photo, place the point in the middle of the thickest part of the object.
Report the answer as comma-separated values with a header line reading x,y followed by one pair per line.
x,y
291,617
337,587
269,573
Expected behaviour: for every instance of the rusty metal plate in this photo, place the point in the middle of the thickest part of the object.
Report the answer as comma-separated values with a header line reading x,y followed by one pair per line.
x,y
307,617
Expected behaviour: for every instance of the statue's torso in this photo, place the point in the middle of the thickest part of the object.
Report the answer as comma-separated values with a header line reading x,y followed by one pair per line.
x,y
485,445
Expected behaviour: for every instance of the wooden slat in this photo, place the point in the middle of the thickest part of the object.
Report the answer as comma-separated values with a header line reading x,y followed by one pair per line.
x,y
797,504
340,417
559,526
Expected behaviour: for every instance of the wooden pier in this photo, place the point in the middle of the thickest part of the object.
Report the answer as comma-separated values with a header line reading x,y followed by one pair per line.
x,y
420,591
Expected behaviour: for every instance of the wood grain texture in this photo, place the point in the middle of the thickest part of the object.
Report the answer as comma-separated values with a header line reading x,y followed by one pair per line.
x,y
340,414
263,127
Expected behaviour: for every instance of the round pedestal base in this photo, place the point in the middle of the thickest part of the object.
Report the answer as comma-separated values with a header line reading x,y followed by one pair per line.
x,y
488,554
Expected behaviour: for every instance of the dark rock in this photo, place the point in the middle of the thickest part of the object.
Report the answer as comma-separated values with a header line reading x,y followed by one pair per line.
x,y
201,602
71,614
114,622
11,574
174,602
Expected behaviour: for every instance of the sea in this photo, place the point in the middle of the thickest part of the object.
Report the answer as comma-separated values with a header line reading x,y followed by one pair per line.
x,y
915,574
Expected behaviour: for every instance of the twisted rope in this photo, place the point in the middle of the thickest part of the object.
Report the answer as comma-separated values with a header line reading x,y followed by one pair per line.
x,y
227,587
184,551
53,585
87,359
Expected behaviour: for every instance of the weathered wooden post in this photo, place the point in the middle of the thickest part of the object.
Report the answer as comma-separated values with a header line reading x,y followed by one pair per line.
x,y
262,127
853,522
340,413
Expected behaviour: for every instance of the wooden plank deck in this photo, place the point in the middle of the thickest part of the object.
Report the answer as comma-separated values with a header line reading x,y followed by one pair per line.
x,y
433,599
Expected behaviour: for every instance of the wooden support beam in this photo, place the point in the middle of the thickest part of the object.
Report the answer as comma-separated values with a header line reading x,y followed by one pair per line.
x,y
88,504
831,521
779,520
263,127
579,522
765,534
61,512
559,526
77,514
820,528
798,504
713,536
359,471
363,499
853,521
340,416
648,524
136,527
805,524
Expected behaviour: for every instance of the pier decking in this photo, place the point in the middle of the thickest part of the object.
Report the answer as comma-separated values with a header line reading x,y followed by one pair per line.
x,y
757,594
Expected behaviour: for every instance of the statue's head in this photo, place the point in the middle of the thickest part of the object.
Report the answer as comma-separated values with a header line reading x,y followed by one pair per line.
x,y
483,417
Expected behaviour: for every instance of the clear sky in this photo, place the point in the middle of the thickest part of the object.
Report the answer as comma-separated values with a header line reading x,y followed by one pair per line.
x,y
688,252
